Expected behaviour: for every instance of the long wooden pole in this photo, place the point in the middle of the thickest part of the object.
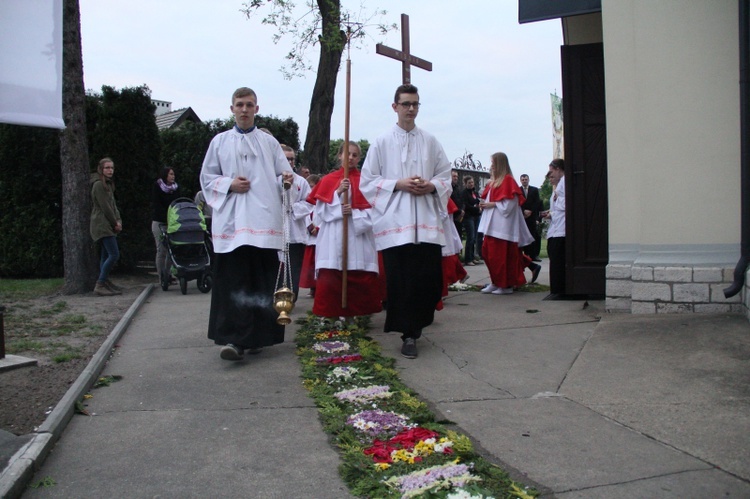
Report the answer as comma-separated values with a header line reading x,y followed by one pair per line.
x,y
345,163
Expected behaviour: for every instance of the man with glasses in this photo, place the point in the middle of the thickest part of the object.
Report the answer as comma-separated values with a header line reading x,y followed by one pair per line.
x,y
298,220
406,178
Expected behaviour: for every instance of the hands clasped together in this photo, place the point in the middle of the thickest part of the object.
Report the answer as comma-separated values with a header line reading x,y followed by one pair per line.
x,y
415,185
241,185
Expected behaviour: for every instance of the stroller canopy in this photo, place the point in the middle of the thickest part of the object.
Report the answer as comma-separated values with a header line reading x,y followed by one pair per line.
x,y
185,222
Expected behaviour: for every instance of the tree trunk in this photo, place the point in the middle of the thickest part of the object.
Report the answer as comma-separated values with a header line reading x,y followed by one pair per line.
x,y
79,258
332,43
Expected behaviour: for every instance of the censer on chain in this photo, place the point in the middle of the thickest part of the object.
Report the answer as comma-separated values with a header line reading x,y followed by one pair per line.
x,y
283,298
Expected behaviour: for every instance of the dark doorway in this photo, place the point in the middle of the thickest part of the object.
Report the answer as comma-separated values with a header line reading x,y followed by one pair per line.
x,y
587,229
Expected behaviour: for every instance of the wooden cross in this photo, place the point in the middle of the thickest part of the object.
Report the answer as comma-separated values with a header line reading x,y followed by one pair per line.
x,y
403,55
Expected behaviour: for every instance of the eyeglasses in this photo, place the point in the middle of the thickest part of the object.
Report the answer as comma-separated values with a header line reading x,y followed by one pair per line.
x,y
407,105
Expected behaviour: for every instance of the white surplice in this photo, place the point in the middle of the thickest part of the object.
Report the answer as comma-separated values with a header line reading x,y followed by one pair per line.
x,y
361,254
399,217
252,218
299,216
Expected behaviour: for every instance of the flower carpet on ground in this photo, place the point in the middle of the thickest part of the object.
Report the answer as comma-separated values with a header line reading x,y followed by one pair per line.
x,y
390,443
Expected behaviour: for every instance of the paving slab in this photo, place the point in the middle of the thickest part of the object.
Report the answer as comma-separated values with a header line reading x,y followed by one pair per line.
x,y
681,380
189,453
184,423
564,445
689,484
578,403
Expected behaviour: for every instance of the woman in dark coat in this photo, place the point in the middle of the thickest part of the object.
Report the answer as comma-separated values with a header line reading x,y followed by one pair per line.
x,y
164,192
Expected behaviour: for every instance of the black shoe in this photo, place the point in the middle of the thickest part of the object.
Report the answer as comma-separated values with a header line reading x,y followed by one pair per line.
x,y
535,273
231,352
536,259
409,348
254,350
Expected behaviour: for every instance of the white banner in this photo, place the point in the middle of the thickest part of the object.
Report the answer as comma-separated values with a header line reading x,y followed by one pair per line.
x,y
31,63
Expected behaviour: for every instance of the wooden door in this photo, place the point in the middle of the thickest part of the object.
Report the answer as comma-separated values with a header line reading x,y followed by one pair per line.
x,y
586,242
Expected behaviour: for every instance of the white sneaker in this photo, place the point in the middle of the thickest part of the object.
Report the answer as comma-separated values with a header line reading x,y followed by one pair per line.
x,y
490,288
503,291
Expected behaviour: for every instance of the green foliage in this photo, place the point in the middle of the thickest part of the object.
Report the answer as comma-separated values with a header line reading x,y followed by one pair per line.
x,y
285,131
107,380
126,132
30,202
44,483
21,289
67,355
311,25
184,148
121,125
333,150
545,192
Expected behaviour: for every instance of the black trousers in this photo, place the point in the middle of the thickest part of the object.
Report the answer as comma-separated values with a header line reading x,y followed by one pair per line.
x,y
242,310
414,282
556,253
532,250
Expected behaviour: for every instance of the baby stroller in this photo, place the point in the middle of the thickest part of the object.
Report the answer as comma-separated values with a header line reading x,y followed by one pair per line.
x,y
186,239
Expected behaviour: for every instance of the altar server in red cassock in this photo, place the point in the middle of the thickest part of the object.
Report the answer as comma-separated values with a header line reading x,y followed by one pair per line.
x,y
504,228
453,271
364,295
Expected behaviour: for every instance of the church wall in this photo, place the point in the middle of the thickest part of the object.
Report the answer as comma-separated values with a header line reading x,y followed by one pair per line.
x,y
673,153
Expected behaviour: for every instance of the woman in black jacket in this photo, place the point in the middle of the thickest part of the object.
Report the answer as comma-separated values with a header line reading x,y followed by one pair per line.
x,y
164,192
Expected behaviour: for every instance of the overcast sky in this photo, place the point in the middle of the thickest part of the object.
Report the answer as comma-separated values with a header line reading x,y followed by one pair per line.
x,y
489,89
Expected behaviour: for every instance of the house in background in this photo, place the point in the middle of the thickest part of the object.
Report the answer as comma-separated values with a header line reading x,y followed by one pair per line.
x,y
167,119
655,117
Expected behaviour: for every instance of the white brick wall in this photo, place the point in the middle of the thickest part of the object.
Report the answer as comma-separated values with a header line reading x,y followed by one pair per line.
x,y
644,289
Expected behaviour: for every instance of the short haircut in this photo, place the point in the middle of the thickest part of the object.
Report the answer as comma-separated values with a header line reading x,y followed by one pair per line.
x,y
313,179
406,88
524,175
286,148
244,92
558,164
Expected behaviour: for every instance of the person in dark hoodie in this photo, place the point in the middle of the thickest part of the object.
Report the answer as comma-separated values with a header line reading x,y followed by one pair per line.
x,y
105,225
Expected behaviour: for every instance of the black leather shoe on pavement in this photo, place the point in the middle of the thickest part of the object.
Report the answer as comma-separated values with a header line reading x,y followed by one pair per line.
x,y
535,273
409,348
231,352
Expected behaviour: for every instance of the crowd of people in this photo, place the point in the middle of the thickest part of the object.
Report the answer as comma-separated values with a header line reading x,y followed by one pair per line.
x,y
388,236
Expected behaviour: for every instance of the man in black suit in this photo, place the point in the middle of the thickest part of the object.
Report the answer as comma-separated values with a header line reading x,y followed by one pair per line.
x,y
531,209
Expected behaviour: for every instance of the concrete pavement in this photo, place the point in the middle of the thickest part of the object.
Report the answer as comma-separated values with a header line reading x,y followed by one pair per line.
x,y
578,404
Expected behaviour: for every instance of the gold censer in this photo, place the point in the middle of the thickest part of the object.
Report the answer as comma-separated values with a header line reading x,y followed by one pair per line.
x,y
283,303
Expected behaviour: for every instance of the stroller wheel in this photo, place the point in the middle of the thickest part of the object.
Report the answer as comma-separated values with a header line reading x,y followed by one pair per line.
x,y
205,282
183,285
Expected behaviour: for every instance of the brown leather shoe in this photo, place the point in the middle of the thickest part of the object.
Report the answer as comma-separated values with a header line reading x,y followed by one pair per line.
x,y
101,289
116,290
111,285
